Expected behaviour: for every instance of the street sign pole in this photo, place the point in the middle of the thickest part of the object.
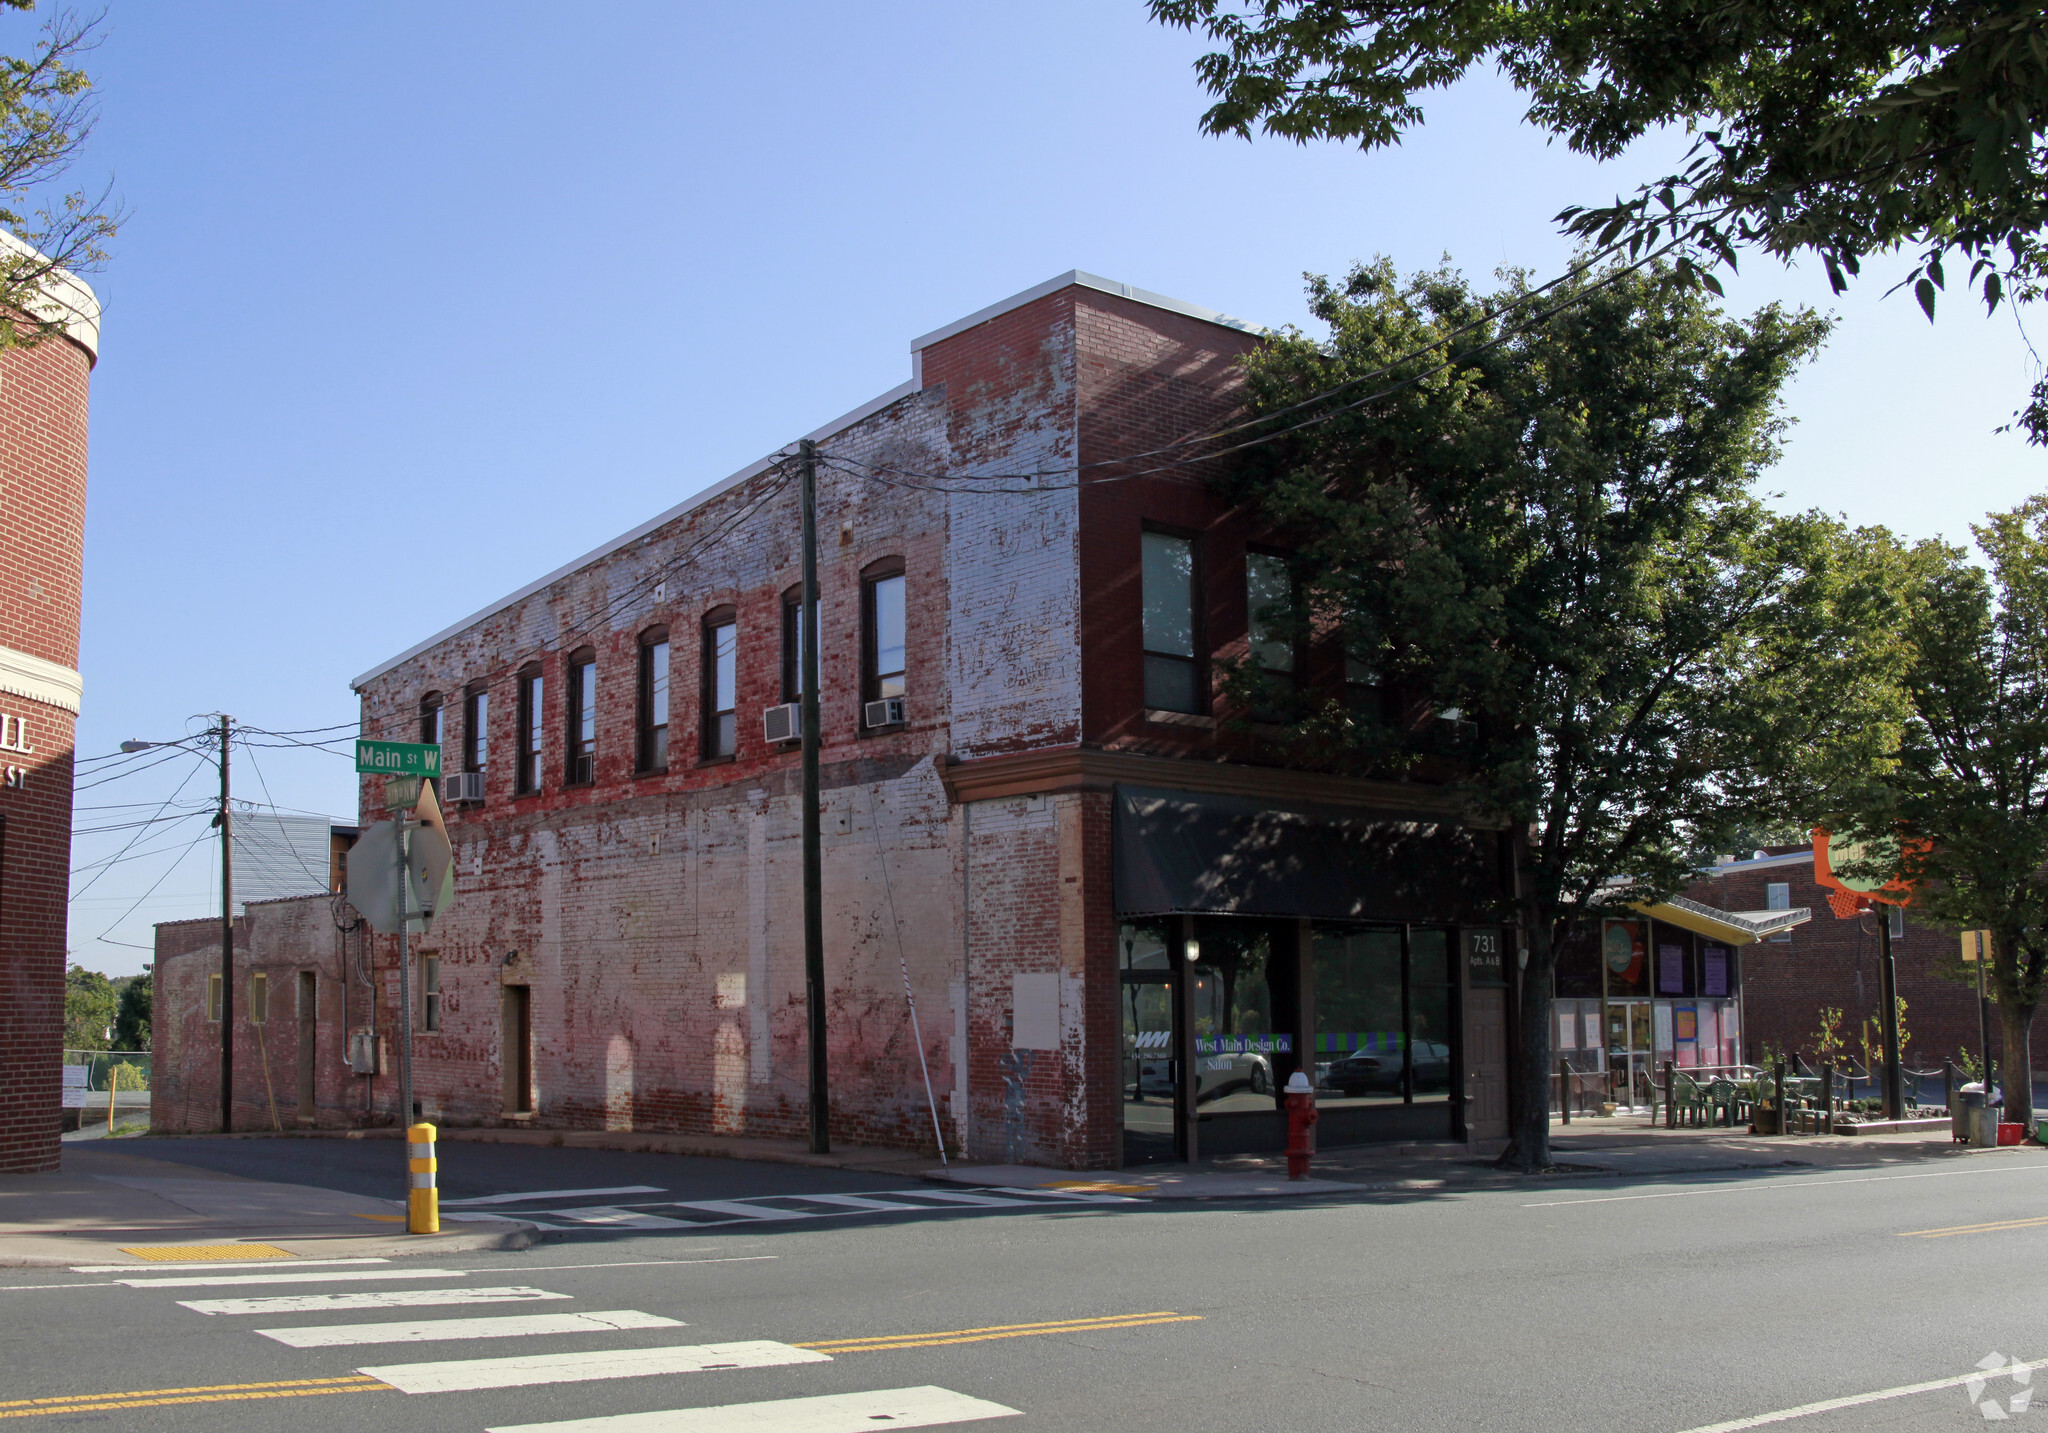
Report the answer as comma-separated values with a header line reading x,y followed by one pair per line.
x,y
404,976
814,908
1888,992
1984,1011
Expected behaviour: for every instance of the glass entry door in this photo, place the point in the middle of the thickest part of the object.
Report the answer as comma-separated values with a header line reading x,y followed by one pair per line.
x,y
1151,1056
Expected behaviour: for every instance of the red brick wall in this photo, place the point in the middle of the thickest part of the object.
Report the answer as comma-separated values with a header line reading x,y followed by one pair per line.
x,y
42,514
1834,962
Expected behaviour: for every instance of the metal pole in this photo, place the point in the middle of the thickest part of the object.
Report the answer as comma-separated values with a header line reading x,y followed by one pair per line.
x,y
227,946
1983,1015
404,975
1888,993
814,904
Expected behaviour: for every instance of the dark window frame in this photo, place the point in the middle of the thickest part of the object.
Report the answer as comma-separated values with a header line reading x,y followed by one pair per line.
x,y
871,577
710,625
476,723
792,616
579,699
1288,680
1204,700
433,719
529,733
650,743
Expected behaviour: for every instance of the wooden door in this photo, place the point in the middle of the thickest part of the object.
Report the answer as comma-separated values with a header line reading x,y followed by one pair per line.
x,y
1486,1063
309,1037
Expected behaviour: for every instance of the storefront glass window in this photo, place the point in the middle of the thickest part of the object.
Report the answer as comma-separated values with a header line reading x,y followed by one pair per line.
x,y
1381,1039
1429,1012
1233,1017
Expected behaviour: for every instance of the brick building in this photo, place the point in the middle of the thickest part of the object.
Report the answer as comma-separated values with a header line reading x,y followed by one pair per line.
x,y
1832,962
1124,919
43,393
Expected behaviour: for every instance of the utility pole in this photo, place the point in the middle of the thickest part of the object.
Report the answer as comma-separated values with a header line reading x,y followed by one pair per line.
x,y
814,902
227,945
1888,992
400,818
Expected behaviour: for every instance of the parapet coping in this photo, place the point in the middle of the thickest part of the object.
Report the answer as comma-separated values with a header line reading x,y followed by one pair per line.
x,y
1073,278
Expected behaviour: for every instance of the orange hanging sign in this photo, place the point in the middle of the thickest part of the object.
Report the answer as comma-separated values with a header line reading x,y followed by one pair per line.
x,y
1849,894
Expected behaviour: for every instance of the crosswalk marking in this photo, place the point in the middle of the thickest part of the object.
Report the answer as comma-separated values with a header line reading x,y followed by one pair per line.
x,y
769,1208
224,1264
368,1299
534,1194
331,1276
922,1407
613,1215
467,1375
861,1201
433,1330
741,1209
952,1196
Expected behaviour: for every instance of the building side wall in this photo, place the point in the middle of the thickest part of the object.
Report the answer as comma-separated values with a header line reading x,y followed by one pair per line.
x,y
43,393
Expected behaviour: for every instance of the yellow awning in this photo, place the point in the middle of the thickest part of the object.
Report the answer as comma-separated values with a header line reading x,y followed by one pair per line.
x,y
1728,927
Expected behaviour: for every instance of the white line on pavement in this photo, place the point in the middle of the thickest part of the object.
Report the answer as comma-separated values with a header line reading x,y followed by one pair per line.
x,y
551,1194
81,1284
466,1375
611,1216
222,1264
369,1299
431,1330
643,1263
351,1276
925,1407
951,1197
1857,1400
856,1201
736,1208
1739,1185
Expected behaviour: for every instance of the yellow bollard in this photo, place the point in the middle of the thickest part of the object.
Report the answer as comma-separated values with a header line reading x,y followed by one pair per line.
x,y
422,1199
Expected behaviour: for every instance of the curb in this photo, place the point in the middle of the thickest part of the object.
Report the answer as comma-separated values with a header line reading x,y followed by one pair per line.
x,y
513,1236
880,1161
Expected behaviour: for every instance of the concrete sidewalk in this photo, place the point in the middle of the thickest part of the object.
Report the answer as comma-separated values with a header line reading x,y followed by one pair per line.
x,y
107,1203
1616,1152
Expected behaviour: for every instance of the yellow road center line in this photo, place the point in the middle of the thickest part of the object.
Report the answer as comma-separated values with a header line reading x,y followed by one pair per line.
x,y
206,1393
1973,1228
928,1340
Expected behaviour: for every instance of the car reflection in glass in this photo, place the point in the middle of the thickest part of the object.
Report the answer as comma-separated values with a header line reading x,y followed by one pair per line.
x,y
1380,1074
1217,1076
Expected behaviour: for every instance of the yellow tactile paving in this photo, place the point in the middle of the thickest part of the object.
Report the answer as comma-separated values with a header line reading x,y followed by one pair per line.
x,y
177,1253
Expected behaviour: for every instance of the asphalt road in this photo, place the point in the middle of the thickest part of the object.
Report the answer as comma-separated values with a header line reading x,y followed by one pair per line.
x,y
1555,1305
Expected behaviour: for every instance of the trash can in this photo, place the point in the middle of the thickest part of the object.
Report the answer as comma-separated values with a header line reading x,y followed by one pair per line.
x,y
1984,1122
1961,1119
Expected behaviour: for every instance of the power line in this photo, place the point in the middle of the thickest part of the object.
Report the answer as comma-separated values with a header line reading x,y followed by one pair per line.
x,y
136,837
102,936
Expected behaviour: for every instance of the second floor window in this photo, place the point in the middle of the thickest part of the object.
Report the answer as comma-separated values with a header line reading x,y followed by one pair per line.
x,y
430,719
529,730
721,683
793,644
882,636
476,729
653,703
1173,675
580,710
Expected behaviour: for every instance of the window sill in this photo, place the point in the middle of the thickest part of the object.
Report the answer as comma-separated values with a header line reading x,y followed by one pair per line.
x,y
887,730
650,771
1165,718
716,761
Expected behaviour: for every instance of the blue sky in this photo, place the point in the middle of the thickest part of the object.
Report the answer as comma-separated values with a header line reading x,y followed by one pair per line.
x,y
418,302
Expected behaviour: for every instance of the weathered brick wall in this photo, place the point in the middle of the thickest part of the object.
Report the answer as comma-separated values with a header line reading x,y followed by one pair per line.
x,y
1830,962
43,393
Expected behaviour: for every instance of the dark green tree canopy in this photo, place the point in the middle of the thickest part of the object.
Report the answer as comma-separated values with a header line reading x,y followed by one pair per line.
x,y
1837,129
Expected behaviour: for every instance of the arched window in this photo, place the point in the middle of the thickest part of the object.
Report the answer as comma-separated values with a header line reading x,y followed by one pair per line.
x,y
883,643
430,718
653,701
476,727
527,734
720,682
579,712
793,644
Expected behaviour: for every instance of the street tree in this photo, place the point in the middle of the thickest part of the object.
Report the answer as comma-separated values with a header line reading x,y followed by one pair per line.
x,y
1842,128
88,1009
132,1014
1551,557
1965,803
46,117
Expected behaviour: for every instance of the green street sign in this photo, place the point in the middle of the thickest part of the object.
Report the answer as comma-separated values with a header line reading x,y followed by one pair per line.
x,y
397,758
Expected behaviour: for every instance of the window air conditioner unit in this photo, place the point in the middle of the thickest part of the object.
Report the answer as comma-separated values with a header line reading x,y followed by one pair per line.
x,y
462,786
783,723
887,712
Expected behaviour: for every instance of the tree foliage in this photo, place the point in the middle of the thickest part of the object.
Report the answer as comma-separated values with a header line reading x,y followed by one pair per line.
x,y
132,1014
1843,130
1966,799
88,1009
1557,539
46,117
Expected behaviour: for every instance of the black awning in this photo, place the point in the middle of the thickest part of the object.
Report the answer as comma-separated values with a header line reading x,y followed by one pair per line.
x,y
1184,851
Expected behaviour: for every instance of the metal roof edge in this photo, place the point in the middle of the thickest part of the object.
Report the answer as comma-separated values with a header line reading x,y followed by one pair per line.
x,y
1079,278
597,554
1758,863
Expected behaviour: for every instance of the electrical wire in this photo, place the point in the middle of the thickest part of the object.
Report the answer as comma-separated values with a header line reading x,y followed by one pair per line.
x,y
102,936
136,837
323,881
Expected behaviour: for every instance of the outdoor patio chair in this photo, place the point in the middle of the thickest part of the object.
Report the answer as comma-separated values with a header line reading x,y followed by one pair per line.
x,y
1688,1101
1723,1101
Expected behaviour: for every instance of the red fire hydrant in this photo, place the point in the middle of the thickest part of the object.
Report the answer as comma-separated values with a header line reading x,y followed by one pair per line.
x,y
1301,1115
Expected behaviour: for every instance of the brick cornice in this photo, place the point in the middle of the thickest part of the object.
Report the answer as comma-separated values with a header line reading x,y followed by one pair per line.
x,y
1076,768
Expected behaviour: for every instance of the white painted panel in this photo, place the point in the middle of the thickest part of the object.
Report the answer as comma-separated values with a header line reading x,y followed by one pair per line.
x,y
742,1211
331,1276
376,1299
464,1375
433,1330
222,1264
613,1217
1035,1001
857,1201
924,1407
989,1200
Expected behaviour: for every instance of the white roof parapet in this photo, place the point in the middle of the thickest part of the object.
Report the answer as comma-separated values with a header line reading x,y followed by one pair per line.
x,y
67,299
1077,278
